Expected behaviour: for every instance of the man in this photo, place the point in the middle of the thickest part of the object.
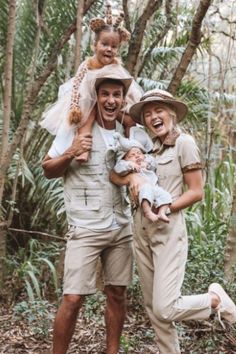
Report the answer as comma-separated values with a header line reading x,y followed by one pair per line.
x,y
98,218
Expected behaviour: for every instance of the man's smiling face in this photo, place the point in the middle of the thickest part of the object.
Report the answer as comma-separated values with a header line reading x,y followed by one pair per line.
x,y
110,101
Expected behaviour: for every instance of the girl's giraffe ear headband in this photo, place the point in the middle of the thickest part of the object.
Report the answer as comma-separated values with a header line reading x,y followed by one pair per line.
x,y
97,24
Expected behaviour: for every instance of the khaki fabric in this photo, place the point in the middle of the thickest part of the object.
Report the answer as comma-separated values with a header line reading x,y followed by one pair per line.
x,y
161,253
91,200
171,162
84,247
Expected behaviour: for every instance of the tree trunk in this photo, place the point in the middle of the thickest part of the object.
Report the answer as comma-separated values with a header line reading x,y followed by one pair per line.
x,y
6,123
169,13
230,248
193,43
3,232
78,34
8,82
137,36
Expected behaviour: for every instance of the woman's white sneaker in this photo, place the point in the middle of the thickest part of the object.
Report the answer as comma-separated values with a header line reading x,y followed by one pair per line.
x,y
226,308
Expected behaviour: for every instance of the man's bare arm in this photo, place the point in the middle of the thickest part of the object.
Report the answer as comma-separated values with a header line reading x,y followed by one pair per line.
x,y
56,167
133,180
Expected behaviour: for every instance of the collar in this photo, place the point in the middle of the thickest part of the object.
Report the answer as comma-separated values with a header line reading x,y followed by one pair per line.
x,y
170,140
93,64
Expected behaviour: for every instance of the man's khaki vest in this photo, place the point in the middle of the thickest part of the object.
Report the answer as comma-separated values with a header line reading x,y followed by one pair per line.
x,y
90,198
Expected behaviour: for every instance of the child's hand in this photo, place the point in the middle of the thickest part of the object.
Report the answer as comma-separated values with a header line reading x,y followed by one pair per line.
x,y
144,165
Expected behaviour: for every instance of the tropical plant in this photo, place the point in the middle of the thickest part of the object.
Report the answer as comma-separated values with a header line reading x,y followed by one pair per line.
x,y
208,226
33,270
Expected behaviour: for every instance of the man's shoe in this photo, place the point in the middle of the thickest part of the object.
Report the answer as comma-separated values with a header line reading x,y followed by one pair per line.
x,y
226,308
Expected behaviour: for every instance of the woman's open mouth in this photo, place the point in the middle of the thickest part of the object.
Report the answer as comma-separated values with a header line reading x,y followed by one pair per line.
x,y
157,124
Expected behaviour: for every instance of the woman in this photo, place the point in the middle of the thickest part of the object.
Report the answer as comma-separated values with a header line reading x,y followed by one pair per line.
x,y
161,249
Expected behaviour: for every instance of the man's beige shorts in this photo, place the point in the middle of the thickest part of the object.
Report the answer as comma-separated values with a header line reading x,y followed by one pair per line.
x,y
84,247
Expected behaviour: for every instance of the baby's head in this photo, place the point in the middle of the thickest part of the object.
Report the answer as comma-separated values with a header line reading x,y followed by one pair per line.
x,y
135,154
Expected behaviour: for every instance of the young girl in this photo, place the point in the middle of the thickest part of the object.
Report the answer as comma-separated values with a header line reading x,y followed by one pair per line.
x,y
75,103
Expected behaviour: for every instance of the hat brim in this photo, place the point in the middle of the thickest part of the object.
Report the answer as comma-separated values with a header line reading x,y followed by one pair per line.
x,y
125,82
136,111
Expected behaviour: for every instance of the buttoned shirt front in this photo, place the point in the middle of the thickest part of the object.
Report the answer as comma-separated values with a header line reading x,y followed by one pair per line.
x,y
175,156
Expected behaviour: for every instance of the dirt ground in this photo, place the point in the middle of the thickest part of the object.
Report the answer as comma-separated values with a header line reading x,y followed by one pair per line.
x,y
17,336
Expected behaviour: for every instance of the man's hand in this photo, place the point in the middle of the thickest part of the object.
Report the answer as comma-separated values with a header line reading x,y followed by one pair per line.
x,y
135,183
56,167
133,180
81,143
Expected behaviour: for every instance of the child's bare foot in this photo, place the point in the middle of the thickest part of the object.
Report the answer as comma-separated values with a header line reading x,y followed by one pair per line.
x,y
150,215
83,157
163,217
147,211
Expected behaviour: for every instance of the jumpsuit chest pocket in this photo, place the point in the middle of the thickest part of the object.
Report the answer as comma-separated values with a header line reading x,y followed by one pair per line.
x,y
165,166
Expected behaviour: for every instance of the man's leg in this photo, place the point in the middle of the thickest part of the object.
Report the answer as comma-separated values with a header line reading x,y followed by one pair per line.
x,y
114,316
65,322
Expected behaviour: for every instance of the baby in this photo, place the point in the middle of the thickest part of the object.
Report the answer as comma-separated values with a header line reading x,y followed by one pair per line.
x,y
150,195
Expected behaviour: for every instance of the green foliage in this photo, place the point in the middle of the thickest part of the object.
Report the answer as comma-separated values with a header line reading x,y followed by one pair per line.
x,y
161,59
127,344
134,292
94,307
38,314
34,269
198,101
208,226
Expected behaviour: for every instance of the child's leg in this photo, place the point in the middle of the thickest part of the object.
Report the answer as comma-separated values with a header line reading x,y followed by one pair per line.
x,y
162,213
127,122
147,211
86,128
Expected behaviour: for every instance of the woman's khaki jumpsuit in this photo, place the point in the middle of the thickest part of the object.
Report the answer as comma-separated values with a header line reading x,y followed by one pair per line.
x,y
161,249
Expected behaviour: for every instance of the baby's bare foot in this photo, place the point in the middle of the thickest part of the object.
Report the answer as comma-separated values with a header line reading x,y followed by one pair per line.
x,y
163,217
151,216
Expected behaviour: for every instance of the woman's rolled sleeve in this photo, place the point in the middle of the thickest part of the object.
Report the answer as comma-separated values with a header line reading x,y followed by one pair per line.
x,y
189,154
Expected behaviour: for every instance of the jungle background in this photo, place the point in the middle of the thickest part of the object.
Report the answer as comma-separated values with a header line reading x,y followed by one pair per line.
x,y
186,47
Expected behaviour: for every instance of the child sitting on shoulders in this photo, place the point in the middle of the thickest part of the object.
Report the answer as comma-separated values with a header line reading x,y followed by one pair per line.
x,y
74,107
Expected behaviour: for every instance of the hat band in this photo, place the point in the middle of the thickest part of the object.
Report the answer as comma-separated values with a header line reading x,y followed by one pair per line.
x,y
157,95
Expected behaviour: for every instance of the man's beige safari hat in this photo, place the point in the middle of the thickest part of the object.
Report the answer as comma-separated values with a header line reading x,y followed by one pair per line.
x,y
114,72
156,95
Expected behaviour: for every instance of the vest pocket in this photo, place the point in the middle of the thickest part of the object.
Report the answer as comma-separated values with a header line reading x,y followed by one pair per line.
x,y
93,166
86,203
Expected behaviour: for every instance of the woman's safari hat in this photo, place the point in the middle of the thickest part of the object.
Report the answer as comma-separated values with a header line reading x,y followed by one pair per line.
x,y
159,96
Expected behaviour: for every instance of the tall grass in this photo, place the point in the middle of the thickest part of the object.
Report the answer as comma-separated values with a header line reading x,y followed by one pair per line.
x,y
208,226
